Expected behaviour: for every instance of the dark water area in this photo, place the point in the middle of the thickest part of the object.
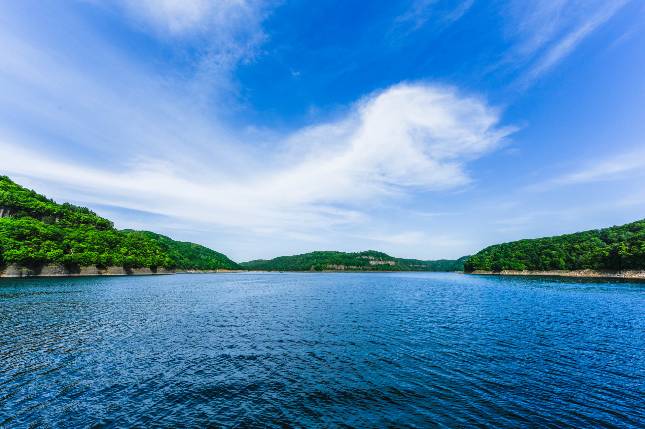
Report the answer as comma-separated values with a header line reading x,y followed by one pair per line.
x,y
321,350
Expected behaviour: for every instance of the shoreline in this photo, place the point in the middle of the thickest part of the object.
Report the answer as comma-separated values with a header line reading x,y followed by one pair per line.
x,y
347,271
53,270
50,271
589,274
14,271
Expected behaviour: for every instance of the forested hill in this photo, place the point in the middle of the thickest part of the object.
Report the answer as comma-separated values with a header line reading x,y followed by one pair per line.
x,y
359,261
615,249
35,231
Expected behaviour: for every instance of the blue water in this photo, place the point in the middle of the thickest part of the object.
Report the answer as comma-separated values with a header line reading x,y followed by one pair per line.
x,y
321,350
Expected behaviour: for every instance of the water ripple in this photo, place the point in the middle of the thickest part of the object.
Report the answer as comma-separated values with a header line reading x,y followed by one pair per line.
x,y
321,350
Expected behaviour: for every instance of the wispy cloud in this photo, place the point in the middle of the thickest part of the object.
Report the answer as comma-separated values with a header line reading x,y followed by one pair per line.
x,y
404,137
190,18
619,167
105,109
222,33
422,12
546,32
567,43
417,14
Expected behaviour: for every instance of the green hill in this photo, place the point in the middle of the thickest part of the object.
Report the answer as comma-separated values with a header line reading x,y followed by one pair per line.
x,y
35,231
189,256
360,261
615,249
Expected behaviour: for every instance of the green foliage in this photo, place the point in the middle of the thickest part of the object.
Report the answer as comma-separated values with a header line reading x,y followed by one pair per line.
x,y
361,261
35,230
189,256
19,202
616,248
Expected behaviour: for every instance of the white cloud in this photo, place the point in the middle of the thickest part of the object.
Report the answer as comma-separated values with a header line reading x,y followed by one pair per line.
x,y
107,131
405,136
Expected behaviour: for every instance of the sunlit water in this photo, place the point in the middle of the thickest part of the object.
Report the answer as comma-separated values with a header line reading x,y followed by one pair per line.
x,y
321,350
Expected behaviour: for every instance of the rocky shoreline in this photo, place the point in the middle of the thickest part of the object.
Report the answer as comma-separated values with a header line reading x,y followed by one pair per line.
x,y
54,270
627,274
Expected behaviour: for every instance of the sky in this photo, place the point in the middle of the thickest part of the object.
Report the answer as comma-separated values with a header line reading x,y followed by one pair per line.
x,y
422,128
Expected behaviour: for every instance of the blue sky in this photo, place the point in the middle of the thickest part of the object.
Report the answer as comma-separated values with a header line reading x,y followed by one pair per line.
x,y
423,128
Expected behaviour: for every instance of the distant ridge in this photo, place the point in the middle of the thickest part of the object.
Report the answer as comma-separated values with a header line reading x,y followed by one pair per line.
x,y
370,260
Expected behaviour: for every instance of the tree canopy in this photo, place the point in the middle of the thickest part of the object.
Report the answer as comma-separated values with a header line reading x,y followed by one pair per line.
x,y
35,230
616,248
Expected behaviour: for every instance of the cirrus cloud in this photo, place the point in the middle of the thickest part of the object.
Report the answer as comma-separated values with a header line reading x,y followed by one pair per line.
x,y
404,137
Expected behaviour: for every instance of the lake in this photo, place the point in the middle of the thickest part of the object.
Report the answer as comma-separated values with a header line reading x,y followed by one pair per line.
x,y
321,350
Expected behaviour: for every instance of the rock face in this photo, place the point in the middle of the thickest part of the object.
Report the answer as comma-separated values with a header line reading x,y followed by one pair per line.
x,y
17,271
338,267
53,270
382,262
377,261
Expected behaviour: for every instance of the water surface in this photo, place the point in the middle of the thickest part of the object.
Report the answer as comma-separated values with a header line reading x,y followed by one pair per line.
x,y
321,350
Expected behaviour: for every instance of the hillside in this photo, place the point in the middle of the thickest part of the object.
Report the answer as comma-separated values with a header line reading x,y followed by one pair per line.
x,y
35,231
616,248
189,256
360,261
